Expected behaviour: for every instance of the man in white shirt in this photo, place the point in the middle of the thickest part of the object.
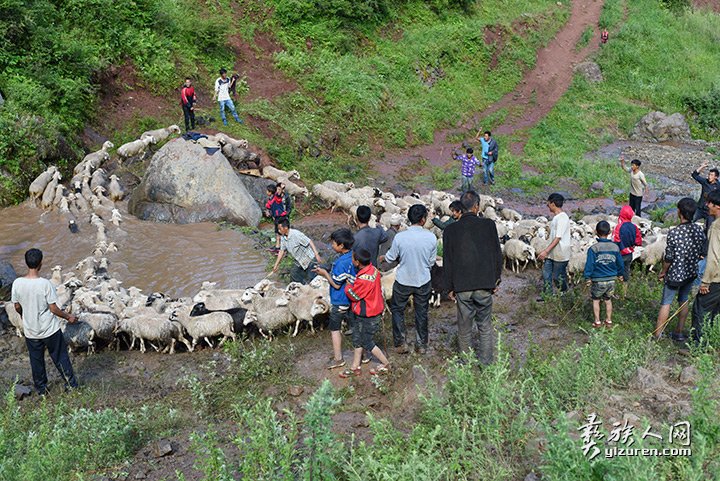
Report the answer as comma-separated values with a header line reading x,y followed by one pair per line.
x,y
222,94
35,300
557,254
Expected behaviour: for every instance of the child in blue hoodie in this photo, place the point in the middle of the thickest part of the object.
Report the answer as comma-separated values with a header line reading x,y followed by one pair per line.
x,y
603,265
343,271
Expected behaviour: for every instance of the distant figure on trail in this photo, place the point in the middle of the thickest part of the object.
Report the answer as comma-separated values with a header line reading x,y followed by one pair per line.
x,y
685,245
368,237
489,157
416,251
604,36
708,299
300,248
472,262
222,94
467,169
709,184
35,300
557,255
638,184
627,236
456,210
278,207
603,265
188,101
342,273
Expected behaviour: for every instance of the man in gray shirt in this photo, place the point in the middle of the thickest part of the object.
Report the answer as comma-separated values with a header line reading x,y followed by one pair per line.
x,y
35,300
367,237
416,250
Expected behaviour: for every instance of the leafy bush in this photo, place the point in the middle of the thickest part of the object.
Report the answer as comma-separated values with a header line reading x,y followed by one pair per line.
x,y
706,108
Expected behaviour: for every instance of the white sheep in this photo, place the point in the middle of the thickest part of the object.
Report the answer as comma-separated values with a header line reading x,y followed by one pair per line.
x,y
136,147
510,214
115,190
576,265
56,277
338,186
94,160
292,188
516,251
270,320
226,140
59,196
305,303
98,178
15,318
116,217
37,187
103,324
153,327
206,326
158,135
48,196
273,173
653,253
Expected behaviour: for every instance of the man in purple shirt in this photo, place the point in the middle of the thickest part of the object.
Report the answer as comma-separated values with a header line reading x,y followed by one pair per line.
x,y
467,169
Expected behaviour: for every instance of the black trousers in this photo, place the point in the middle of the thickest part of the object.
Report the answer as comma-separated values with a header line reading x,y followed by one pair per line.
x,y
57,349
705,305
421,301
636,204
189,114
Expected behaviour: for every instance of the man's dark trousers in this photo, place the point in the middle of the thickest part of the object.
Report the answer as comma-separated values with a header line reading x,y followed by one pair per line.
x,y
189,114
421,302
57,349
705,304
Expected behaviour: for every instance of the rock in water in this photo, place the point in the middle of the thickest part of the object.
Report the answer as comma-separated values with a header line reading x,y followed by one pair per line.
x,y
184,184
659,127
7,274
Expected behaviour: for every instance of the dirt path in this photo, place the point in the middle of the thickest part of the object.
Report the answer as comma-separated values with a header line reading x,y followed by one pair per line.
x,y
536,95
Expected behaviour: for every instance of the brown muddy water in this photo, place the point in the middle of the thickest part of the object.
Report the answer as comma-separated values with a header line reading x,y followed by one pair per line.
x,y
170,258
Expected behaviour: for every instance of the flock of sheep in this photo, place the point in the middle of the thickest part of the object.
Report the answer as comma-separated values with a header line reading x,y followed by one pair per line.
x,y
109,313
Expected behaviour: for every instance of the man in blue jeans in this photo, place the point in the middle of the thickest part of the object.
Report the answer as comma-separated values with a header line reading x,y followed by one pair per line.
x,y
489,157
222,94
557,254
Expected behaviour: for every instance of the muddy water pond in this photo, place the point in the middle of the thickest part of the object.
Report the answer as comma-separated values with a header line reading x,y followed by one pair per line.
x,y
170,258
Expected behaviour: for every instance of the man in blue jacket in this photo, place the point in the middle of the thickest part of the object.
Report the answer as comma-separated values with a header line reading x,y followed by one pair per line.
x,y
604,263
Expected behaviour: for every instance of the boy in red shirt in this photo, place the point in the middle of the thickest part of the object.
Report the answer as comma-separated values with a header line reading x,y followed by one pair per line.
x,y
188,101
368,304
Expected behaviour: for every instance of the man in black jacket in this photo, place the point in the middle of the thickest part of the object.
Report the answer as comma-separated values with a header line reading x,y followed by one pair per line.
x,y
472,261
709,184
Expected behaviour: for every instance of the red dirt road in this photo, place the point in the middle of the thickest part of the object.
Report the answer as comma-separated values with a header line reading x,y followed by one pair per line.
x,y
536,95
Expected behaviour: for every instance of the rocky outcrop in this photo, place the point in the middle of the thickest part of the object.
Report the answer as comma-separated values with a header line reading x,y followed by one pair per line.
x,y
185,184
7,274
659,127
590,70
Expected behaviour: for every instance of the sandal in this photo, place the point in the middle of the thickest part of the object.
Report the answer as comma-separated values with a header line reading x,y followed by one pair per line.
x,y
350,373
380,369
597,324
609,324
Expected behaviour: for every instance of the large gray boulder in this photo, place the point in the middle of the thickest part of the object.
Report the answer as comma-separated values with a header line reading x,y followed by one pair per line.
x,y
7,274
659,127
184,184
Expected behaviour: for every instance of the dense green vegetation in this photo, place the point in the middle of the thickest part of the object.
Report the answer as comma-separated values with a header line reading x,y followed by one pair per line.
x,y
53,55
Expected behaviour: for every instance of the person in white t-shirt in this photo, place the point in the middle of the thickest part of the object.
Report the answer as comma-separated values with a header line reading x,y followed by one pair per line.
x,y
35,300
557,254
222,94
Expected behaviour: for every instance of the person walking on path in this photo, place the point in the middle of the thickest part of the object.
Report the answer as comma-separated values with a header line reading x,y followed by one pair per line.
x,y
708,299
638,184
602,266
557,254
709,184
222,94
368,237
395,223
685,245
456,210
604,36
416,251
35,300
342,273
368,303
468,162
188,99
489,157
472,263
300,248
627,236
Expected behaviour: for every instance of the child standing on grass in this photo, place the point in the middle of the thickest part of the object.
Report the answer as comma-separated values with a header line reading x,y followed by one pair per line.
x,y
343,272
367,305
467,169
603,265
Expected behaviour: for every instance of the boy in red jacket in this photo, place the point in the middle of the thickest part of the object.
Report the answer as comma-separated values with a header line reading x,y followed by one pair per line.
x,y
368,304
